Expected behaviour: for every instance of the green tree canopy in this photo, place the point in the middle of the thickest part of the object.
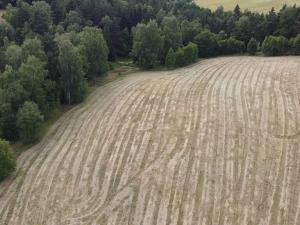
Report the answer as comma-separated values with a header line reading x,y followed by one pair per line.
x,y
7,159
147,44
73,84
32,76
172,33
33,47
252,46
40,17
207,43
296,45
13,56
95,51
29,121
170,59
273,46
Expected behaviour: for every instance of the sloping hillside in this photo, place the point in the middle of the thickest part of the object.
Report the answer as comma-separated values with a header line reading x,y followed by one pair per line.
x,y
214,143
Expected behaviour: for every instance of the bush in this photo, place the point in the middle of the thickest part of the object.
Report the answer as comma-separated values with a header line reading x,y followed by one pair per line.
x,y
190,53
29,121
207,44
170,59
231,46
179,58
252,46
7,159
147,44
296,45
274,46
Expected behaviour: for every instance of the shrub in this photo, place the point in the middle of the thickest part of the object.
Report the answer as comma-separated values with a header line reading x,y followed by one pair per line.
x,y
207,44
7,159
179,58
190,53
231,46
274,46
170,59
147,44
29,121
296,45
252,46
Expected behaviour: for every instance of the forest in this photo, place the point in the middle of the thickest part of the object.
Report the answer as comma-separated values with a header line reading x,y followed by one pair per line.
x,y
50,50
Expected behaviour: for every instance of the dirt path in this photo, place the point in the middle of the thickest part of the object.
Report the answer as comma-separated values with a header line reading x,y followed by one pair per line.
x,y
215,143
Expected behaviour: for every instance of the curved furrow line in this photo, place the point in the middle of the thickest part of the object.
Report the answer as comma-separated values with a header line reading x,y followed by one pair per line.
x,y
32,179
234,133
254,110
260,153
114,115
153,127
108,118
95,128
96,202
247,122
161,217
64,154
48,148
157,209
26,160
266,174
225,102
279,178
201,137
191,160
205,129
288,160
213,143
57,190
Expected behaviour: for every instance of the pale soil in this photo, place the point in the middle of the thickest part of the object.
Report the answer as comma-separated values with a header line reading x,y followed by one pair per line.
x,y
212,144
253,5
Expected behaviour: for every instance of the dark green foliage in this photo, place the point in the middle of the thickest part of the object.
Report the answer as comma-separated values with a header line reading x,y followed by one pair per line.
x,y
289,21
73,18
252,46
33,47
190,30
222,35
32,76
186,55
172,33
73,84
190,53
231,46
29,121
170,59
6,32
40,17
147,44
296,45
13,56
274,46
7,159
179,58
207,44
94,51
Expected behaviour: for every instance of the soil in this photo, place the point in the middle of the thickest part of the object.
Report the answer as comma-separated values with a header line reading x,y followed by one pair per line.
x,y
210,144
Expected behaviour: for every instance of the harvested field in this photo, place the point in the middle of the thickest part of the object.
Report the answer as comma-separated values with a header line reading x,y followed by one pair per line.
x,y
253,5
211,144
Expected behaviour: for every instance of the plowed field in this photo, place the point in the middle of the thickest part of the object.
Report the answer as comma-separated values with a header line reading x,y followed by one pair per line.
x,y
212,144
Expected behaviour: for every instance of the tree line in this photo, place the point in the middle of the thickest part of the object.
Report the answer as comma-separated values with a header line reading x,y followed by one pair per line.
x,y
50,49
